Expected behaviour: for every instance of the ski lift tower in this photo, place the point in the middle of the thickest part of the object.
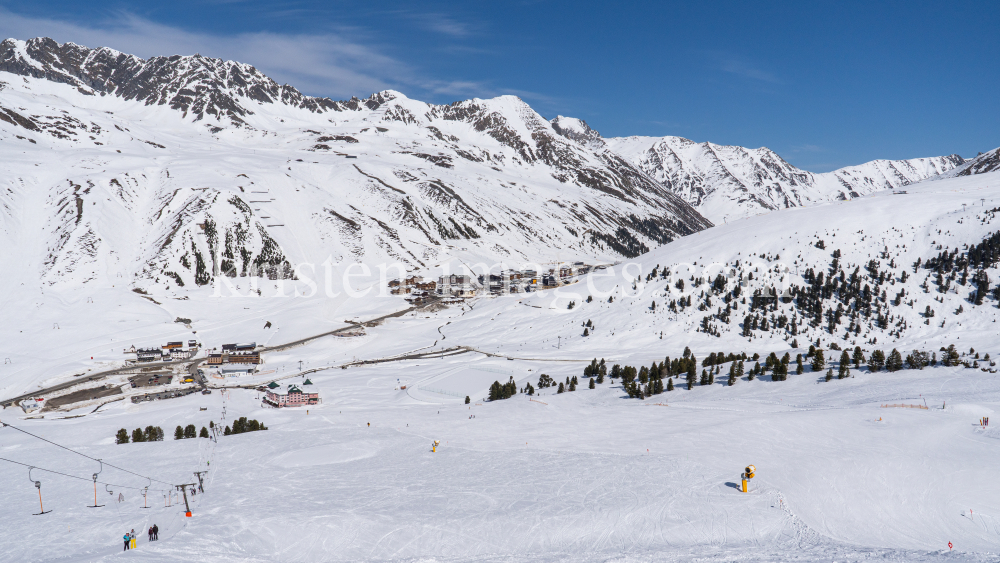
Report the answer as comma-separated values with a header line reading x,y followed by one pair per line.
x,y
183,489
201,482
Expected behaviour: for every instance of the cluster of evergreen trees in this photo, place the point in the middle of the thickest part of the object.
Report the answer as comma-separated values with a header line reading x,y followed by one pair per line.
x,y
150,434
949,263
240,426
189,431
500,391
570,385
842,303
595,369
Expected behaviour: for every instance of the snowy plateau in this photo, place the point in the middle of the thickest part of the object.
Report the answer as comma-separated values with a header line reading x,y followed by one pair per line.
x,y
720,308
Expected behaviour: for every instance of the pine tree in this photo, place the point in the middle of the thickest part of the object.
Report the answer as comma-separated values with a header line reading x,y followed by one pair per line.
x,y
562,389
121,437
844,369
704,378
711,378
732,378
586,332
572,385
819,362
670,384
467,400
779,372
178,433
876,361
226,432
592,386
189,431
858,357
203,433
829,374
895,361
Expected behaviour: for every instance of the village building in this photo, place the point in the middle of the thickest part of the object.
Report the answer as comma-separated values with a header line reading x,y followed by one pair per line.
x,y
179,354
243,358
292,397
148,354
411,285
235,370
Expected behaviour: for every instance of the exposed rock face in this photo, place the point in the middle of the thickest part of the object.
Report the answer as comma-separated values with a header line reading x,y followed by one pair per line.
x,y
194,85
729,182
985,162
210,169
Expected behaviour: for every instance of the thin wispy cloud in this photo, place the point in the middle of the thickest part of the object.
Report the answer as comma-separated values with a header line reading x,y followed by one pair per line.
x,y
747,70
807,149
439,23
337,63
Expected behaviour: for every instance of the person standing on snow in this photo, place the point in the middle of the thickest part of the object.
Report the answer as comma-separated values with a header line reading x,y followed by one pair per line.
x,y
128,540
132,536
156,532
149,534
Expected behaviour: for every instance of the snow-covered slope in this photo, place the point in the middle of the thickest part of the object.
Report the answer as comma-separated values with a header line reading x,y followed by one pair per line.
x,y
175,169
108,204
587,475
729,182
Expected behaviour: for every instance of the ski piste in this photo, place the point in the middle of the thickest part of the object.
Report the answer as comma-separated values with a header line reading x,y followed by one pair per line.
x,y
844,470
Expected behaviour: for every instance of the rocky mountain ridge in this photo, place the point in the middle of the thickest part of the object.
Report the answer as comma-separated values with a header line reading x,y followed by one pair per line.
x,y
730,182
178,170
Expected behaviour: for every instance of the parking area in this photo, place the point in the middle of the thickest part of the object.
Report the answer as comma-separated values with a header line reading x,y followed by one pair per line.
x,y
150,379
80,396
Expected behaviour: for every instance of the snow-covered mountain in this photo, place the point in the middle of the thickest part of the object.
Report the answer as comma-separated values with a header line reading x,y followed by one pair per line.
x,y
729,182
126,186
175,169
985,162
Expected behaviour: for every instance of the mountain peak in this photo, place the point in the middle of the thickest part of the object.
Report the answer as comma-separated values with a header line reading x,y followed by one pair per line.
x,y
728,182
197,85
576,129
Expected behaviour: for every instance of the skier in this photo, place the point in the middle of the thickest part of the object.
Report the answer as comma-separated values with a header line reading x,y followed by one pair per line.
x,y
149,534
156,532
128,540
132,536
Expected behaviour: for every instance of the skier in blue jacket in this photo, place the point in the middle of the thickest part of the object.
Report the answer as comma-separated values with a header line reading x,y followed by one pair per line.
x,y
128,539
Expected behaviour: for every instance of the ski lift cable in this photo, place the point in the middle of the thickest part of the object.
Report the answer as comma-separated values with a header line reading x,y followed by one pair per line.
x,y
84,455
68,475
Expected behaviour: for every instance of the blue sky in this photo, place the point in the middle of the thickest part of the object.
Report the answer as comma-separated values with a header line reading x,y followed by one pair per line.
x,y
825,84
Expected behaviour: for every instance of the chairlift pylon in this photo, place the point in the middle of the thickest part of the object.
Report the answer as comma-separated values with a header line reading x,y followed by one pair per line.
x,y
145,491
38,485
95,505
